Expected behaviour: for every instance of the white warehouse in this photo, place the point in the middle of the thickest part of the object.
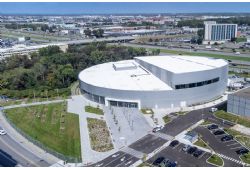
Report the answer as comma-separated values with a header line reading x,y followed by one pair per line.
x,y
155,81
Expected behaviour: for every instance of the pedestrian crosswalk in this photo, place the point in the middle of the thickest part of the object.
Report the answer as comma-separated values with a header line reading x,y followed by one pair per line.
x,y
133,152
162,135
232,159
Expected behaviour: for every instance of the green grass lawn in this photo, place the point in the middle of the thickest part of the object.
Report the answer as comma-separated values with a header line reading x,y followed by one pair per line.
x,y
181,113
202,54
242,138
145,164
216,160
206,122
166,119
99,135
51,125
147,111
245,158
95,110
233,118
201,143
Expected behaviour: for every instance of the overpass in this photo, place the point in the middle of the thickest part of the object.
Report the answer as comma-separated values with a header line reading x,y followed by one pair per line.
x,y
25,50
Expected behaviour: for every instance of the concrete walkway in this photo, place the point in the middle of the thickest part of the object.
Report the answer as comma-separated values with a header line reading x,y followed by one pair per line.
x,y
76,105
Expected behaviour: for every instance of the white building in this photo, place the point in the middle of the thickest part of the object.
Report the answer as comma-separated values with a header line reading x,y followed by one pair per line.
x,y
155,81
219,32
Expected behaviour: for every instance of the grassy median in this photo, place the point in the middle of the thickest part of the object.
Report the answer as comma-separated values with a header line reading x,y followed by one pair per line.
x,y
95,110
216,160
232,118
51,125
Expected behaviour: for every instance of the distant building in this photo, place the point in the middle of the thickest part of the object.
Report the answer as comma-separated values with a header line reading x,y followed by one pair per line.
x,y
219,32
239,103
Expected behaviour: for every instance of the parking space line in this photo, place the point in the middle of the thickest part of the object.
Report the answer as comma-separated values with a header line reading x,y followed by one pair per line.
x,y
233,144
236,147
202,155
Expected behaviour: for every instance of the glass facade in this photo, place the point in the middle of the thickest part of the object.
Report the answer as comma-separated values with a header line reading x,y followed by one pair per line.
x,y
123,104
101,100
197,84
222,32
93,97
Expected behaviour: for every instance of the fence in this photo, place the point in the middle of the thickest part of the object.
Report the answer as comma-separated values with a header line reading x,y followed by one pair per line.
x,y
65,158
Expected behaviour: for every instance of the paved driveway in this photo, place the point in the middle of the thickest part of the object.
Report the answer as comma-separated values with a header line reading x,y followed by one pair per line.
x,y
148,143
183,159
225,148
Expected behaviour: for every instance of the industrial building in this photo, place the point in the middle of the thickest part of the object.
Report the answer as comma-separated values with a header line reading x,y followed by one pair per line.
x,y
219,32
155,81
239,102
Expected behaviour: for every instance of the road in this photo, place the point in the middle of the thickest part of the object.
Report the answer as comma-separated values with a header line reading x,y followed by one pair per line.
x,y
188,50
118,159
13,154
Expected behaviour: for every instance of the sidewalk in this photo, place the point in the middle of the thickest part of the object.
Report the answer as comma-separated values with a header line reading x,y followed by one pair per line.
x,y
76,105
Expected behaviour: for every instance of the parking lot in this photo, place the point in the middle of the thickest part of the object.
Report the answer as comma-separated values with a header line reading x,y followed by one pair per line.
x,y
148,143
118,159
182,158
226,148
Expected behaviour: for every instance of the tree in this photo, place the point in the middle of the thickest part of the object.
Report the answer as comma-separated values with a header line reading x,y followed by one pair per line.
x,y
98,33
44,27
87,32
156,51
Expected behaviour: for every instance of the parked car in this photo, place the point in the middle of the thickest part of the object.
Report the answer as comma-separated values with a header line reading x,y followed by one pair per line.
x,y
3,132
191,150
168,163
242,151
213,109
219,132
227,138
212,127
174,143
198,153
157,128
158,161
186,148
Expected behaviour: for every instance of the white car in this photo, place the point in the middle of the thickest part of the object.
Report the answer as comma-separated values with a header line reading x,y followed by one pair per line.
x,y
157,128
237,53
3,132
213,109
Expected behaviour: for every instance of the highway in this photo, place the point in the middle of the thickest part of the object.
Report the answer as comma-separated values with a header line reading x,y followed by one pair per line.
x,y
187,50
7,52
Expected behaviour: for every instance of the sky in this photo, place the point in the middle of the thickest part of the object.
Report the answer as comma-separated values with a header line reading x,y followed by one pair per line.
x,y
121,7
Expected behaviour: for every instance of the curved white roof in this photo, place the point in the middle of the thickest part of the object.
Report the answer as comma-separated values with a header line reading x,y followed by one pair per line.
x,y
130,75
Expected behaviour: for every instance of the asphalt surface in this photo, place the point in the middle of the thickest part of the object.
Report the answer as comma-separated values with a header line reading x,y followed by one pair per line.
x,y
118,159
227,148
13,154
182,158
183,122
148,143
